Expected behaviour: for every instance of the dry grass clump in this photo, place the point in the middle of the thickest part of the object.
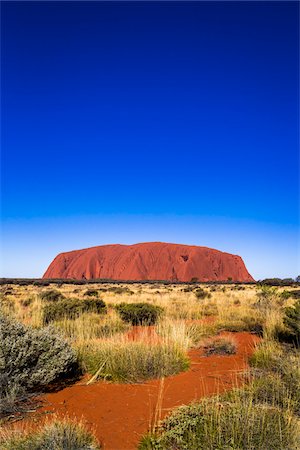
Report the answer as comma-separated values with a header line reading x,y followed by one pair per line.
x,y
89,326
57,435
241,319
128,361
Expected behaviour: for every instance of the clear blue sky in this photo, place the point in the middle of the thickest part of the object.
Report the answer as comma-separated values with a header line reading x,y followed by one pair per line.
x,y
129,122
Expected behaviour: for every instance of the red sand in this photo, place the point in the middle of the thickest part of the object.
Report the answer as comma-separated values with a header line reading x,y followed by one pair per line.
x,y
121,413
149,261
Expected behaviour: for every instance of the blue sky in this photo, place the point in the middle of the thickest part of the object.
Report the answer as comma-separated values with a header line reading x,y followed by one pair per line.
x,y
133,122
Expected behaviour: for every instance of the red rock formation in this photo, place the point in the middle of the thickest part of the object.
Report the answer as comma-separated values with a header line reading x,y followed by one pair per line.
x,y
149,261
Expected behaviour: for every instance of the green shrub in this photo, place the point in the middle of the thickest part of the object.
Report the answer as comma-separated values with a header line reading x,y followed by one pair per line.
x,y
58,435
292,321
201,293
120,290
91,293
72,308
139,313
31,359
51,295
216,424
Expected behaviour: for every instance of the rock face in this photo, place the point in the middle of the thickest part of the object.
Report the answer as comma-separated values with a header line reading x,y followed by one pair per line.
x,y
149,261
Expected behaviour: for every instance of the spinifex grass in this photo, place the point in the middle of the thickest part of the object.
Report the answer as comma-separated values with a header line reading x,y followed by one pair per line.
x,y
56,435
121,359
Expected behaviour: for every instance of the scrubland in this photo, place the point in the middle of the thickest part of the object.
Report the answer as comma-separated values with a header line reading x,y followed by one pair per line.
x,y
130,333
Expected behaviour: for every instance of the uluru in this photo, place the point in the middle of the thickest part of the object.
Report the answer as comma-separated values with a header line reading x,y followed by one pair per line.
x,y
149,261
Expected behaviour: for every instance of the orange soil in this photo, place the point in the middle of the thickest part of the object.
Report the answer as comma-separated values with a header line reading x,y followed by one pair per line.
x,y
120,414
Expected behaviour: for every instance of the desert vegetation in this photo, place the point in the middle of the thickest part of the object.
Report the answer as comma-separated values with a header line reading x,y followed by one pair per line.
x,y
130,333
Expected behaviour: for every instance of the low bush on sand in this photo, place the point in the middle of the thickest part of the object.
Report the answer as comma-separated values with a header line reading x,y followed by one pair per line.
x,y
91,293
130,361
72,308
139,313
52,295
58,435
201,294
30,359
220,346
218,424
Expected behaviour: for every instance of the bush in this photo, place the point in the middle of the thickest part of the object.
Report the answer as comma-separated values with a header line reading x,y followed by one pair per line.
x,y
31,359
216,424
120,290
139,313
58,435
292,321
201,293
72,308
51,295
91,293
220,346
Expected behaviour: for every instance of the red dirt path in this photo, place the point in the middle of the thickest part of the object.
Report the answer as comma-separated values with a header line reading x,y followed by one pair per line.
x,y
120,414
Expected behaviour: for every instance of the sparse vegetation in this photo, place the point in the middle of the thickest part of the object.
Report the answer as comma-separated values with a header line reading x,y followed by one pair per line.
x,y
104,344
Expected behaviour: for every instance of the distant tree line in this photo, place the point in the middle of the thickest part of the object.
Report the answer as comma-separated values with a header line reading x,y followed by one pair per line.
x,y
60,281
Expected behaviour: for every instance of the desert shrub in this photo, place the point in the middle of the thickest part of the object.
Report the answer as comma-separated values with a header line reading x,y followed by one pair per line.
x,y
292,321
26,301
285,295
201,294
139,313
217,424
220,346
58,435
72,308
52,295
91,293
31,359
265,297
120,290
131,361
188,289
